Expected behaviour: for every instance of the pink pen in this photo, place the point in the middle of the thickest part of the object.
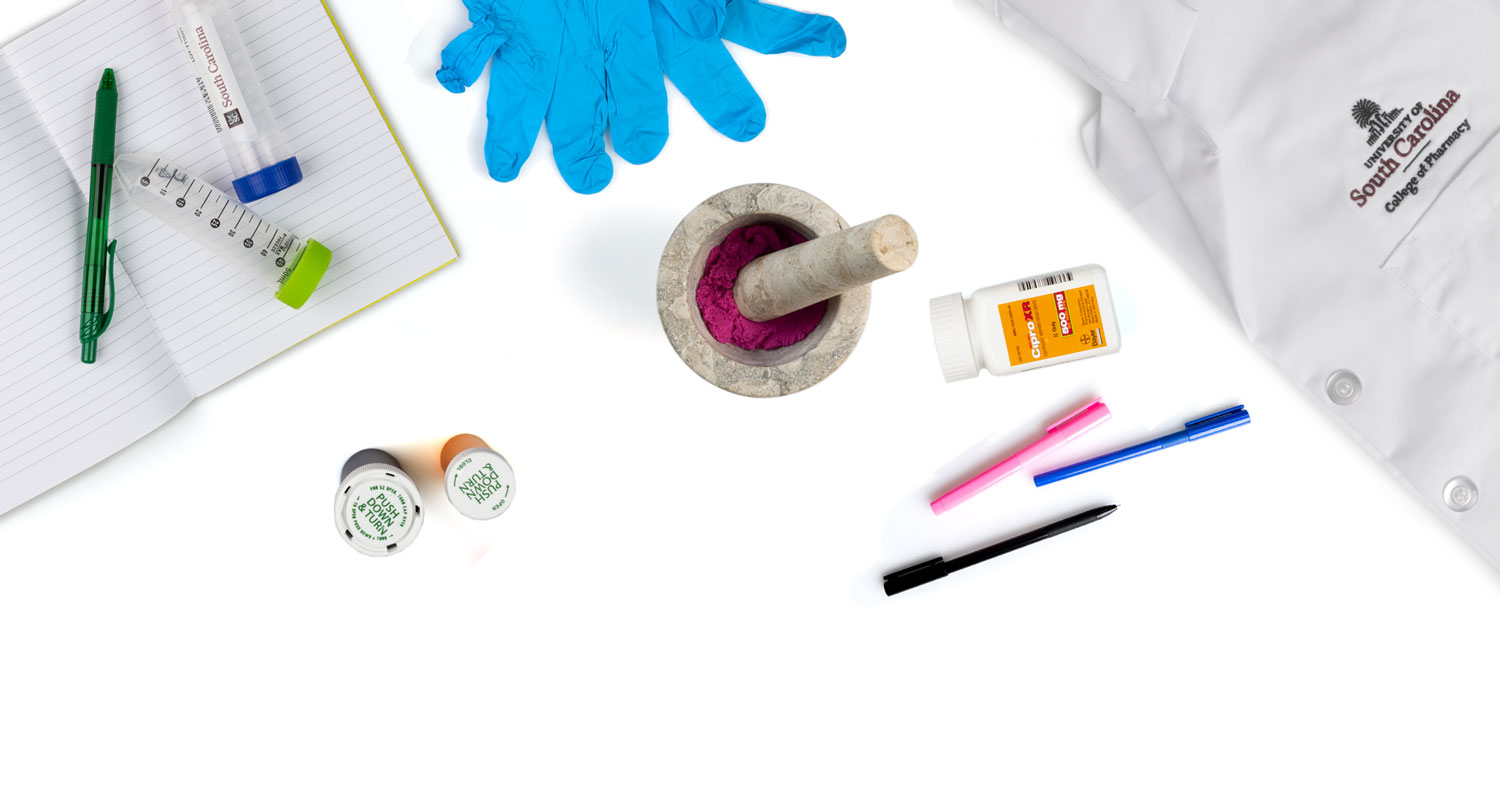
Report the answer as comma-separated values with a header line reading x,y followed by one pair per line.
x,y
1059,434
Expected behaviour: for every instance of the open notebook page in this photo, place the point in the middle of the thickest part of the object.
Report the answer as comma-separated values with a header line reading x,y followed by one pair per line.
x,y
58,415
359,196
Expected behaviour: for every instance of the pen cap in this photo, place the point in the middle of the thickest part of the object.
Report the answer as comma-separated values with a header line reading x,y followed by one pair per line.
x,y
1081,420
913,576
1215,423
950,333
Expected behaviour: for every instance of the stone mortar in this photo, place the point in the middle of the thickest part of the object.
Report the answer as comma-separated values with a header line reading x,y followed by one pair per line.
x,y
753,373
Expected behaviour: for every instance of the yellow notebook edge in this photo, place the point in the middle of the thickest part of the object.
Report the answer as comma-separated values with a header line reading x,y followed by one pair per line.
x,y
370,90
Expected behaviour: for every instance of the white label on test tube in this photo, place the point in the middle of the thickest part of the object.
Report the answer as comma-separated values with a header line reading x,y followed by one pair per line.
x,y
288,264
222,92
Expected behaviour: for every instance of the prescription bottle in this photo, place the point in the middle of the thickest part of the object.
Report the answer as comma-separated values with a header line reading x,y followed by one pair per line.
x,y
479,482
1025,324
233,99
378,507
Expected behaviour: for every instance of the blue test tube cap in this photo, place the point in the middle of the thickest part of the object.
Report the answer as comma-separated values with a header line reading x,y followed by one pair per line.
x,y
268,181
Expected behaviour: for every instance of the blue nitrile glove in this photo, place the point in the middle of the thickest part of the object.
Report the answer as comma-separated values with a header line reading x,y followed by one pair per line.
x,y
609,79
525,39
586,65
610,76
594,60
702,68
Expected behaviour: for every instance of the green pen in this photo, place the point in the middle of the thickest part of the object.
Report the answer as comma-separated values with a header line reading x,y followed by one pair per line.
x,y
98,252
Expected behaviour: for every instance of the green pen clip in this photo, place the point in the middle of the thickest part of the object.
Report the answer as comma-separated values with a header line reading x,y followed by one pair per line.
x,y
110,312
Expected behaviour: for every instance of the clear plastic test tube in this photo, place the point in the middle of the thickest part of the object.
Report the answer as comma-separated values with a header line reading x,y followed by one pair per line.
x,y
233,98
286,263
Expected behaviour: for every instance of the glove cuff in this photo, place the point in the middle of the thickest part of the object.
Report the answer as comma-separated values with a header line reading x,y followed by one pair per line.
x,y
465,57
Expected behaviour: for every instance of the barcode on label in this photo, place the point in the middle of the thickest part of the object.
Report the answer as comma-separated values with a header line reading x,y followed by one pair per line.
x,y
1043,281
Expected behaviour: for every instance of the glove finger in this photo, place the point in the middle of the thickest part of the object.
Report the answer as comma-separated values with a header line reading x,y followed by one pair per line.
x,y
635,92
699,19
576,119
773,29
464,58
707,75
521,83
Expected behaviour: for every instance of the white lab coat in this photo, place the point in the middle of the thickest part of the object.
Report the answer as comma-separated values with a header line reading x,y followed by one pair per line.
x,y
1326,171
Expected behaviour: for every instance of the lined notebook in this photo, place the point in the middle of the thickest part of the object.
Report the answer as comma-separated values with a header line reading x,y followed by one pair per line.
x,y
185,322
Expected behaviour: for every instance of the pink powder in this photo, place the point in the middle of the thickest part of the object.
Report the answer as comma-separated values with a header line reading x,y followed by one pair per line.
x,y
716,292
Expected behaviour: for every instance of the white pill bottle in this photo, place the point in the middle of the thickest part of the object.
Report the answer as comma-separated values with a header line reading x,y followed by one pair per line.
x,y
1026,324
233,99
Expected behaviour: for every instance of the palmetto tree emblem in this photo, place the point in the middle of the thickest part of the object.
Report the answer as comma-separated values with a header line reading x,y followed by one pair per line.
x,y
1364,112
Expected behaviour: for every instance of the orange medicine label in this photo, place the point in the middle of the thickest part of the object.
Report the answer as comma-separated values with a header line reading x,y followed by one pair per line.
x,y
1049,326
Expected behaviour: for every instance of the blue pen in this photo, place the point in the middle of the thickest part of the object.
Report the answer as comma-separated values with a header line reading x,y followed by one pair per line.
x,y
1197,429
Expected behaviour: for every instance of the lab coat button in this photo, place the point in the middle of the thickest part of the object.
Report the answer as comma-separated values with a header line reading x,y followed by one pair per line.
x,y
1460,494
1344,387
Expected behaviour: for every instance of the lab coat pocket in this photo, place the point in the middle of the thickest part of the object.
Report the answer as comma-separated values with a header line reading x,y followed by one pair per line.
x,y
1450,260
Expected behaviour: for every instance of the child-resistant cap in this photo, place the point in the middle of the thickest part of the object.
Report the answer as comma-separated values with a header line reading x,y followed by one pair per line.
x,y
479,482
378,508
950,332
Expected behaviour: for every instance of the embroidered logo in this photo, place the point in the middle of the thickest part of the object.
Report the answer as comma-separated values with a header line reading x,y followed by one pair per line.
x,y
1410,141
1373,118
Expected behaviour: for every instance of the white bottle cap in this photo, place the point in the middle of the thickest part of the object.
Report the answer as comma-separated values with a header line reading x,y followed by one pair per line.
x,y
950,331
378,509
480,483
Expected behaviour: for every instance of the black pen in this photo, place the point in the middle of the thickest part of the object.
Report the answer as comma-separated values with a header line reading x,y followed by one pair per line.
x,y
930,570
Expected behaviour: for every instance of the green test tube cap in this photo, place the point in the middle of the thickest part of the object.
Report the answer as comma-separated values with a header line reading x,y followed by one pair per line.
x,y
305,275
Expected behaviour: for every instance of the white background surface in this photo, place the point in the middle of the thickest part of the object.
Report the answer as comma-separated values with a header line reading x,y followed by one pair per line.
x,y
683,608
